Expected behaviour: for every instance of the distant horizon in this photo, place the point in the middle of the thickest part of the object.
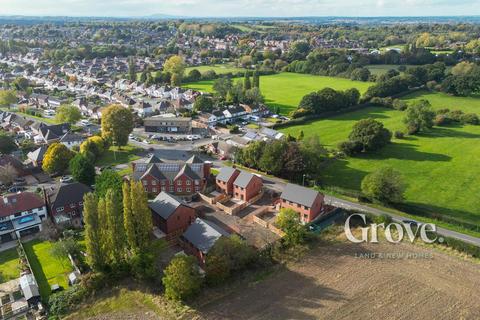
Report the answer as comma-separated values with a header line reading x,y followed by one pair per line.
x,y
241,8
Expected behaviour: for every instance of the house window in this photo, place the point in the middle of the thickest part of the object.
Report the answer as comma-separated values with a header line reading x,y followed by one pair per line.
x,y
163,182
154,183
197,189
179,189
59,209
17,215
80,203
188,182
154,189
72,205
145,182
197,182
171,188
189,190
179,182
305,217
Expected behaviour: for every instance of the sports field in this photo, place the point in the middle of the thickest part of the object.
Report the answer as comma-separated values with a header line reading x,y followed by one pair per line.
x,y
285,89
439,166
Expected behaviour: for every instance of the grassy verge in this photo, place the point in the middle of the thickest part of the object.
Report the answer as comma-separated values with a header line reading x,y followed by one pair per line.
x,y
41,119
9,265
47,269
116,155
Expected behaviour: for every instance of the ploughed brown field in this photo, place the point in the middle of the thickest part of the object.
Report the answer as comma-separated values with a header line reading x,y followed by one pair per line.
x,y
331,283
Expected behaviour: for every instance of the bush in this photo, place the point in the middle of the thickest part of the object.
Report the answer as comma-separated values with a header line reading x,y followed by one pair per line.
x,y
64,301
399,105
384,185
399,135
455,115
470,118
350,148
386,219
441,120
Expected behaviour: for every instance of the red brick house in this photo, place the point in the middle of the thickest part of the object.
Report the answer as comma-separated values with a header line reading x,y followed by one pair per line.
x,y
239,184
225,179
200,237
171,215
247,186
65,203
183,179
307,202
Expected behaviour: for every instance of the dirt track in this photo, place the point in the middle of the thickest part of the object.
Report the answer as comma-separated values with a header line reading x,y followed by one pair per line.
x,y
331,283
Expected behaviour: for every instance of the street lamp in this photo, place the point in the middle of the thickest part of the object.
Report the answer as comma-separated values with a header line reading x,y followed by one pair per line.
x,y
303,180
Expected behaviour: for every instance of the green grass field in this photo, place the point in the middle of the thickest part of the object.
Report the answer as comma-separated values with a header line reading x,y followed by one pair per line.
x,y
47,269
114,156
285,89
379,69
439,166
218,68
9,265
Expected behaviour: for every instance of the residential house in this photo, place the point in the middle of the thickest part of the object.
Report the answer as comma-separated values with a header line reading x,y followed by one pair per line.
x,y
171,214
200,237
225,178
307,202
247,186
168,124
71,140
36,156
21,214
183,179
16,164
65,203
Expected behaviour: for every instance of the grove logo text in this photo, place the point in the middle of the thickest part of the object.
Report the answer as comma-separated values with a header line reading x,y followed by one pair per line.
x,y
370,234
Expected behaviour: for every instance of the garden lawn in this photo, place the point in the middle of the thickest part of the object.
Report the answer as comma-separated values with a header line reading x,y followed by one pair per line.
x,y
9,265
440,166
286,89
379,69
114,156
47,269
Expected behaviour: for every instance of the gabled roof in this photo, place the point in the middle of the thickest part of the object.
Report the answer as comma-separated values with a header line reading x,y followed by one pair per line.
x,y
19,202
165,204
226,173
243,179
154,172
194,159
298,194
186,170
37,155
67,193
153,159
203,234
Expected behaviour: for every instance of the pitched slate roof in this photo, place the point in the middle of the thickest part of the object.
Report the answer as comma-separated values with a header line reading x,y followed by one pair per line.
x,y
226,173
167,170
194,159
37,155
165,204
298,194
29,286
19,202
203,234
243,179
67,193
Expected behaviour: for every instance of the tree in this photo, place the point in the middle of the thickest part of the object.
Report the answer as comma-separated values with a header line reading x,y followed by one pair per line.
x,y
82,169
203,103
256,79
117,124
222,86
95,257
217,269
93,147
360,74
132,73
419,116
7,98
56,158
115,230
108,180
8,173
384,185
194,75
68,113
247,85
370,134
7,143
176,67
182,278
61,249
137,216
289,222
271,159
253,96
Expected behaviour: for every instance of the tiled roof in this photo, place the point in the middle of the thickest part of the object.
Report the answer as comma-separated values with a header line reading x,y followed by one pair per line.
x,y
19,202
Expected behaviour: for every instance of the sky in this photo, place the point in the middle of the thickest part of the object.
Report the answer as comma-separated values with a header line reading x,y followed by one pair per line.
x,y
237,8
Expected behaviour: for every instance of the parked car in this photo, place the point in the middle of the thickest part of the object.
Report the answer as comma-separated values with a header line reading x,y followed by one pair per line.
x,y
66,179
19,183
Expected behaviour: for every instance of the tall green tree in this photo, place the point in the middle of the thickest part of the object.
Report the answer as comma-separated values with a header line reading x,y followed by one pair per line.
x,y
7,98
256,79
384,185
247,85
7,144
142,216
82,169
117,124
108,180
419,117
371,134
68,113
95,256
115,229
128,218
289,222
132,73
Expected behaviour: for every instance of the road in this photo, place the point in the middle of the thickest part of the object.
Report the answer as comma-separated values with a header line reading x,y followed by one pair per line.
x,y
184,149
